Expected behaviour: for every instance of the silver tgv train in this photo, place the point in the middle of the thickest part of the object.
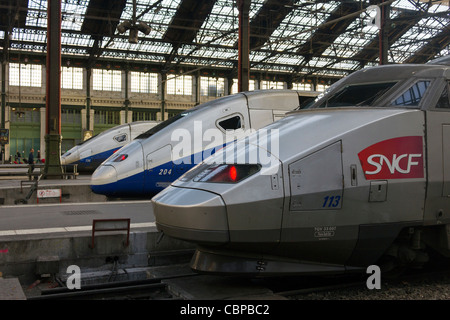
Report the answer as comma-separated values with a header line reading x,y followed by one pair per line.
x,y
360,177
156,158
89,154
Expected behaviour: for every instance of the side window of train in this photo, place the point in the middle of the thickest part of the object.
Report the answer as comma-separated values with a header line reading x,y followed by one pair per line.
x,y
121,138
444,100
232,123
413,95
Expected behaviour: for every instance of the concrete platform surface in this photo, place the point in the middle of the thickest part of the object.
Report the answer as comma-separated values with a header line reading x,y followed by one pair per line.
x,y
42,238
63,218
14,190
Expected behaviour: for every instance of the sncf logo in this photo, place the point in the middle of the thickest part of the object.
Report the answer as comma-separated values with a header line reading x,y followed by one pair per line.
x,y
397,158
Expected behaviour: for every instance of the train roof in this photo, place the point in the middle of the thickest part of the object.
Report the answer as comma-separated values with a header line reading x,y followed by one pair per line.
x,y
380,85
269,99
275,99
396,72
441,61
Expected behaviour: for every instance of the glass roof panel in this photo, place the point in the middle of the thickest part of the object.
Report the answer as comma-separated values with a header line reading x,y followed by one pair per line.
x,y
37,13
72,14
419,34
220,27
214,44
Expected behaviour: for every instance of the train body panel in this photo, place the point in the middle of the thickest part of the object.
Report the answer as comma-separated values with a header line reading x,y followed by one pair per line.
x,y
331,196
187,139
360,178
89,154
438,169
308,201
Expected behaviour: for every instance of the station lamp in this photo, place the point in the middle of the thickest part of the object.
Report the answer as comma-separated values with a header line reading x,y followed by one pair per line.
x,y
374,13
134,28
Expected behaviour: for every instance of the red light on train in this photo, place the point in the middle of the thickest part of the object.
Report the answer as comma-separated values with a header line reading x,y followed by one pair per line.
x,y
233,173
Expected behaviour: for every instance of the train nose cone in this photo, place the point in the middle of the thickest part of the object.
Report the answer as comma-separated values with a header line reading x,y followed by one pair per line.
x,y
67,158
192,215
71,156
103,178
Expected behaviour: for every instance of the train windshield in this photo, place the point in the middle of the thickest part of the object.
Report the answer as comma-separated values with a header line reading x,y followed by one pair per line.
x,y
102,133
164,124
355,95
89,139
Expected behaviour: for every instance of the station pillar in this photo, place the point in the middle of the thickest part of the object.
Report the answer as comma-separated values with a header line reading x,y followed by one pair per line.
x,y
243,45
53,136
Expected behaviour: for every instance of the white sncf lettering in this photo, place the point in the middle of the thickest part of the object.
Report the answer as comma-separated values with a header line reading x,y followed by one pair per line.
x,y
393,165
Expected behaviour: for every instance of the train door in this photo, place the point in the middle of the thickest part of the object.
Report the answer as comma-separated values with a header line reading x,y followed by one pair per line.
x,y
234,120
446,159
437,202
158,169
310,215
223,126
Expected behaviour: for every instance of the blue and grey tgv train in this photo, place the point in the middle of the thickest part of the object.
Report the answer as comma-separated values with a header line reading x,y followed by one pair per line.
x,y
89,154
159,156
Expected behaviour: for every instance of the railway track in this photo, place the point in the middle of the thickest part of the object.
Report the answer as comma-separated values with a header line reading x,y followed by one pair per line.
x,y
289,288
149,289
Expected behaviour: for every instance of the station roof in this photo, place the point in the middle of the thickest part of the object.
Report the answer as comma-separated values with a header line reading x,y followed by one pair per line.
x,y
295,38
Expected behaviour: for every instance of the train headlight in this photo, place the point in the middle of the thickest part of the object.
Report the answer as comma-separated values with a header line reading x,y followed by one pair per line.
x,y
120,157
226,173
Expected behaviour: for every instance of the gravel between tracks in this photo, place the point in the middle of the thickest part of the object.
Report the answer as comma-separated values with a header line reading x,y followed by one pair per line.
x,y
432,288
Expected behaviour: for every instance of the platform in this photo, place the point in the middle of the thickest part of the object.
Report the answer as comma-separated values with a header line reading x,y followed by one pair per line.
x,y
43,239
15,188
